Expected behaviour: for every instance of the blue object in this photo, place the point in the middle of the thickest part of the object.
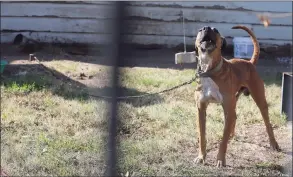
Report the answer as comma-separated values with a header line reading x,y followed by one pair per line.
x,y
3,64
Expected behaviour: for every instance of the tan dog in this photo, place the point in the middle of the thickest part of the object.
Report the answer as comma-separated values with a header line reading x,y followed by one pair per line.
x,y
222,81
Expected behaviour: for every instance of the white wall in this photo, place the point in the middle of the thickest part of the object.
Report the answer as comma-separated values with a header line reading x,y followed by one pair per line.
x,y
149,22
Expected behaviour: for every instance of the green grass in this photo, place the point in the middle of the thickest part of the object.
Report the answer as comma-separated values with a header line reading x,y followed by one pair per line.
x,y
26,83
21,88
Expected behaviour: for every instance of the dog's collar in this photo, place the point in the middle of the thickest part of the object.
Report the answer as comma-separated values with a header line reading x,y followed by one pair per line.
x,y
210,72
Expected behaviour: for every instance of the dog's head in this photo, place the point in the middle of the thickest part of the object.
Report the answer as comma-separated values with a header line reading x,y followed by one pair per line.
x,y
209,44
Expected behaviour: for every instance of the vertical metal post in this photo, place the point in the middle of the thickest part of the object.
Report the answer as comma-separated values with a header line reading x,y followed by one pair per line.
x,y
286,104
115,53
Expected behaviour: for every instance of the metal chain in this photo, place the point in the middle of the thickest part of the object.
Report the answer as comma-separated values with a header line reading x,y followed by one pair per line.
x,y
147,94
122,97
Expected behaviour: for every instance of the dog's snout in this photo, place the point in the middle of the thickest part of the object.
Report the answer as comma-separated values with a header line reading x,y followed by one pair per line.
x,y
206,28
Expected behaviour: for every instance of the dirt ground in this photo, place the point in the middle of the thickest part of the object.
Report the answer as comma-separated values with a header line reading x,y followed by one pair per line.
x,y
251,142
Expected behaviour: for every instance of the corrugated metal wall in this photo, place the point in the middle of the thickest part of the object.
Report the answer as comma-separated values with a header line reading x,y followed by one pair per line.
x,y
149,22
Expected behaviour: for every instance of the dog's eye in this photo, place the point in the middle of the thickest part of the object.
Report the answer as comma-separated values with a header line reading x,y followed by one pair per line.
x,y
215,30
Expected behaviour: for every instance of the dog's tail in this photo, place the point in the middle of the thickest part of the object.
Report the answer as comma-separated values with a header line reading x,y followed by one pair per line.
x,y
256,50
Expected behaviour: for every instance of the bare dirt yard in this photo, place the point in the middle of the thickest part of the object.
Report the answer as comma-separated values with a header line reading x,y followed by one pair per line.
x,y
51,126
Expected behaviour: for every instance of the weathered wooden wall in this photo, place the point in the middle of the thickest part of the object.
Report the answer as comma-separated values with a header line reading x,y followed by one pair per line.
x,y
149,22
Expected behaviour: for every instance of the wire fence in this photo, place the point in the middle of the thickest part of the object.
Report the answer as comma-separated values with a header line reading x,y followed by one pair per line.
x,y
116,59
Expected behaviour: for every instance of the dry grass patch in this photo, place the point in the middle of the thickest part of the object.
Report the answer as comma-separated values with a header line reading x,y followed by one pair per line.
x,y
50,128
74,68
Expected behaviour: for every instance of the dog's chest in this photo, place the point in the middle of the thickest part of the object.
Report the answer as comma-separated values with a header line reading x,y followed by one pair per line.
x,y
210,92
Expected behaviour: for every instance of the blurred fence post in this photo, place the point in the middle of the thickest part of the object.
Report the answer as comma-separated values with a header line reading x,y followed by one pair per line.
x,y
286,105
115,53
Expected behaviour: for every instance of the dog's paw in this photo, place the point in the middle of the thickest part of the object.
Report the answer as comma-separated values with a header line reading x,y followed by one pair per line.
x,y
221,160
199,160
275,147
221,163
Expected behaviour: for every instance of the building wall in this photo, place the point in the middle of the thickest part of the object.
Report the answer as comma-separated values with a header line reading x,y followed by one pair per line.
x,y
148,22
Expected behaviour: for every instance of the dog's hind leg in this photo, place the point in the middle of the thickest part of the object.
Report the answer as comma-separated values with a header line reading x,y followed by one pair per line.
x,y
257,91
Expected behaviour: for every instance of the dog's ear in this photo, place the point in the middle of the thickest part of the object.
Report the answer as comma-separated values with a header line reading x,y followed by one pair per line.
x,y
196,49
224,43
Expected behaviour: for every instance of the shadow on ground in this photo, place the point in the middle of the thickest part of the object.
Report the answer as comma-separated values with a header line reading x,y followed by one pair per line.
x,y
35,77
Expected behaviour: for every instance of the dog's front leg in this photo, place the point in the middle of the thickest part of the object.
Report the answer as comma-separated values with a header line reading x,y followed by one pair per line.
x,y
201,128
229,106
